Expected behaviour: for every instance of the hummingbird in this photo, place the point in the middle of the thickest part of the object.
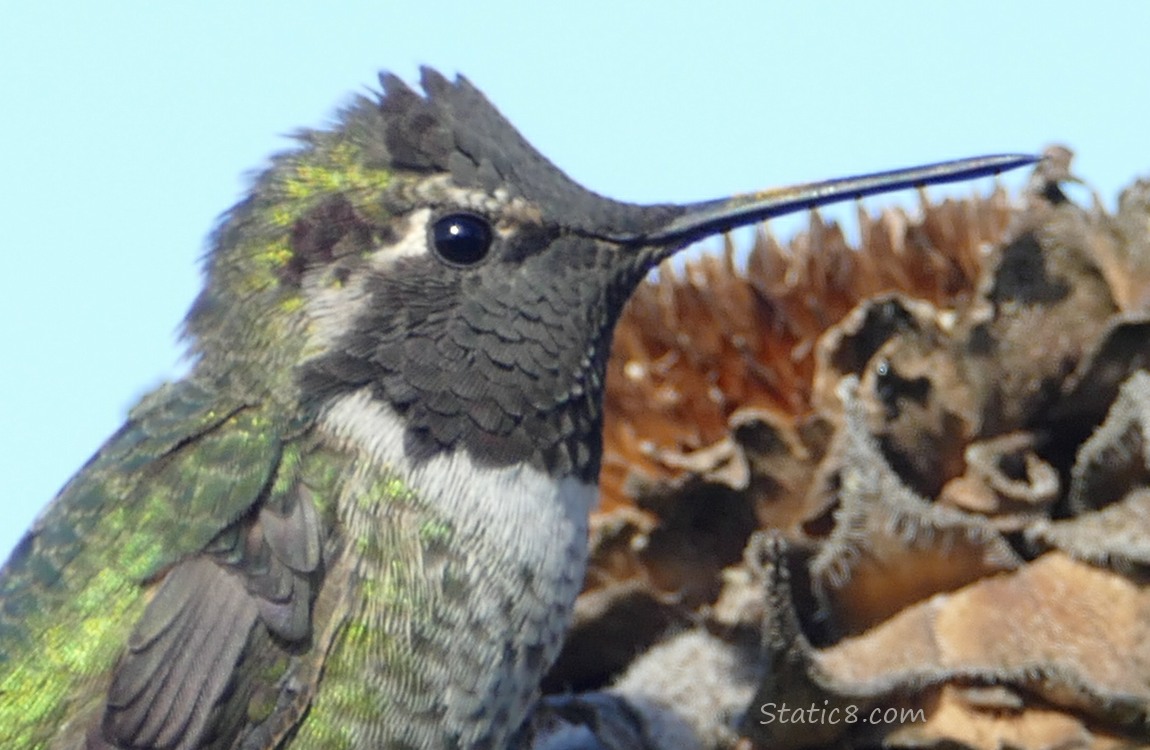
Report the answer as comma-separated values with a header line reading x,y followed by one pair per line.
x,y
361,519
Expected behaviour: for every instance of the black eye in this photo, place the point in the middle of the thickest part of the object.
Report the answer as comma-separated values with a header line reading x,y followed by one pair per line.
x,y
461,239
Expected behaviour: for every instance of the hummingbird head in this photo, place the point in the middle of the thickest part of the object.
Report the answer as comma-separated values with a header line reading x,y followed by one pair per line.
x,y
421,250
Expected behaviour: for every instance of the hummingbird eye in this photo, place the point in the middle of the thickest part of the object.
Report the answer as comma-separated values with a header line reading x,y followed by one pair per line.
x,y
462,239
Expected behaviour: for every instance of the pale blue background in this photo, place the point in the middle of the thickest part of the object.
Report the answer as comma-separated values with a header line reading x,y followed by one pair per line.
x,y
125,129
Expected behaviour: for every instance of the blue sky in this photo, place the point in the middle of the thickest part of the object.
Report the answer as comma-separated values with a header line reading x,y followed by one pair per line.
x,y
128,127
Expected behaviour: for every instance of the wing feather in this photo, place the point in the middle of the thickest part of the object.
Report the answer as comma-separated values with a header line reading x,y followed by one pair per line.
x,y
186,531
164,688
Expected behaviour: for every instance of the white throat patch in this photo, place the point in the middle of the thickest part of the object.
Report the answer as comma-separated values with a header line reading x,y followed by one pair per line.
x,y
514,497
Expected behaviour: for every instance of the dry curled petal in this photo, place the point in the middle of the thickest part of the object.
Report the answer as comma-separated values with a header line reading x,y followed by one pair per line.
x,y
891,547
1115,536
1005,480
1116,458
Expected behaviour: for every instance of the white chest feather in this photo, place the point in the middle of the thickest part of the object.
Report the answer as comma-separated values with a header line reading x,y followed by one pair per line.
x,y
516,563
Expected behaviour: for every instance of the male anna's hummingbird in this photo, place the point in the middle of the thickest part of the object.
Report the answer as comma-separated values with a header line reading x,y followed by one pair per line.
x,y
360,521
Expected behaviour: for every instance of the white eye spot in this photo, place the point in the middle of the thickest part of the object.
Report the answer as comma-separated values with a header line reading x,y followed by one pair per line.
x,y
334,304
412,241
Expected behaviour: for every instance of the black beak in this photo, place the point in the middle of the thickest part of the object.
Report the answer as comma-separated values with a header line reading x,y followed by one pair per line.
x,y
698,220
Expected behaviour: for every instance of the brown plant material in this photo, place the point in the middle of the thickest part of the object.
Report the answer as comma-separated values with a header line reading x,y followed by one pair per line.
x,y
1005,480
965,718
910,476
1037,629
696,345
889,547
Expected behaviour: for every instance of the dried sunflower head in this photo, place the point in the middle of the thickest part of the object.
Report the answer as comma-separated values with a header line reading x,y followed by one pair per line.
x,y
908,475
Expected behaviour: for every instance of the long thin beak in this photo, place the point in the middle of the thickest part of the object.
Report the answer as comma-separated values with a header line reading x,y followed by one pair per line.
x,y
703,219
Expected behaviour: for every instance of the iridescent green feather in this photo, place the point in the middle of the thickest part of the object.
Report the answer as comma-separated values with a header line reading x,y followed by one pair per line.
x,y
184,466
